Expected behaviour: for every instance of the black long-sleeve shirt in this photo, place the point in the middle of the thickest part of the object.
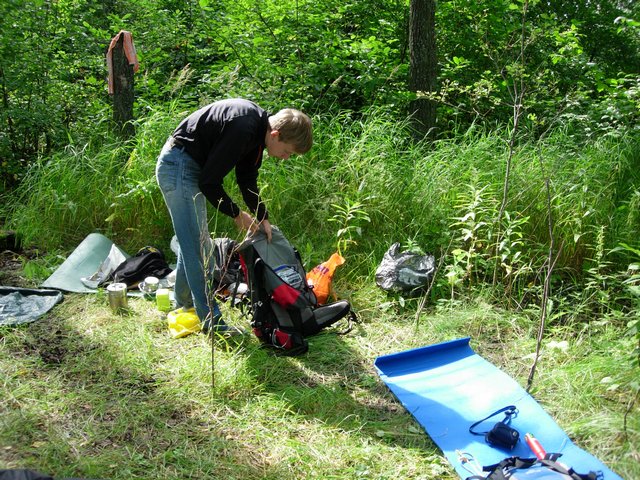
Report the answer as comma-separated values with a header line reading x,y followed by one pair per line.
x,y
222,136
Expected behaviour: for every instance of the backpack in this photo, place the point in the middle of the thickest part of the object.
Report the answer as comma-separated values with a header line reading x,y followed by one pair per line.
x,y
548,468
284,308
226,269
147,262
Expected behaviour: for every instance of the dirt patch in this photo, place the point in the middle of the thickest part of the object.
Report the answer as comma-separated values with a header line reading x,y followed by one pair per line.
x,y
54,350
11,268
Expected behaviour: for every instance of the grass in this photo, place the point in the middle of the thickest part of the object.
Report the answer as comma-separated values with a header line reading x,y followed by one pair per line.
x,y
92,394
410,192
89,393
115,397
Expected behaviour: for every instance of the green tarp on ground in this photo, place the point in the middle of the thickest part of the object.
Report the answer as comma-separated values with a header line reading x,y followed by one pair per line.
x,y
83,262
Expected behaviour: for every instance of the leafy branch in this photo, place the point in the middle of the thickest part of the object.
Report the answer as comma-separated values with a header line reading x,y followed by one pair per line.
x,y
349,218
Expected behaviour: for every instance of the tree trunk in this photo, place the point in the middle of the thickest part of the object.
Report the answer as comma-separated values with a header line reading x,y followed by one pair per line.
x,y
122,91
423,65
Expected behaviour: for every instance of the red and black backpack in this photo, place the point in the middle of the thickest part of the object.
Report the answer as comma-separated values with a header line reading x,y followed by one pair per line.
x,y
284,308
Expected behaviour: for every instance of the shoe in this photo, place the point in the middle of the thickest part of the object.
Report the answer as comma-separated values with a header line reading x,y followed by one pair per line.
x,y
220,328
227,331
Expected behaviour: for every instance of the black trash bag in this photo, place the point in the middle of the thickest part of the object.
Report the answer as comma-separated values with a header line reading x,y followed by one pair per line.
x,y
404,271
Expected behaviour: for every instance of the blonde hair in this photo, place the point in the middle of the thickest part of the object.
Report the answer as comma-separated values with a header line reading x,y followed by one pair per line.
x,y
294,127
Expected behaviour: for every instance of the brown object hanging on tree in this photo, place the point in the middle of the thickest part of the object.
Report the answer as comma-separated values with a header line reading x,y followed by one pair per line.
x,y
122,62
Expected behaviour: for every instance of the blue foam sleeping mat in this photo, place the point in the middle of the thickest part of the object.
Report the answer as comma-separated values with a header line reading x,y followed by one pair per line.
x,y
447,387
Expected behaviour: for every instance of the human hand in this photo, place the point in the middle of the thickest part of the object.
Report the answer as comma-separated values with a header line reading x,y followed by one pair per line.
x,y
244,221
266,228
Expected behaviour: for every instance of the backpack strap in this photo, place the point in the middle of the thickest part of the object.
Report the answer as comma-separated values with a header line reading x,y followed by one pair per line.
x,y
504,469
497,470
353,318
311,295
256,297
550,462
509,411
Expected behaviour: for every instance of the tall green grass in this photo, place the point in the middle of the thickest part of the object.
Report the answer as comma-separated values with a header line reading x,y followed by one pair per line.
x,y
363,186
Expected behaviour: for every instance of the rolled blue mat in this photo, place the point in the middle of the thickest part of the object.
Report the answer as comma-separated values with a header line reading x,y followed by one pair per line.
x,y
448,387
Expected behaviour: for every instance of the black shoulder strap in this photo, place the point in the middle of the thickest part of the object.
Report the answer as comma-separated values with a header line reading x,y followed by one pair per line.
x,y
509,462
497,471
551,463
509,411
353,318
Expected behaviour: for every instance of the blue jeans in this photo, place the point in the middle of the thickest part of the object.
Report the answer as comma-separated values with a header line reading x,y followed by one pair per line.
x,y
177,174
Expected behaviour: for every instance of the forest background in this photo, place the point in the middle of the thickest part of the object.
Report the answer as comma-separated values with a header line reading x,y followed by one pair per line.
x,y
527,189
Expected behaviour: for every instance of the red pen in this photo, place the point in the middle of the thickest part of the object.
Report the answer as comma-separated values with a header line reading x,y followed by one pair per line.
x,y
535,446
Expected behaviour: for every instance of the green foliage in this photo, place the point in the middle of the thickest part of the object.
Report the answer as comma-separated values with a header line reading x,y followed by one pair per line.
x,y
475,229
38,269
559,58
48,80
572,67
70,192
631,282
348,219
577,65
478,252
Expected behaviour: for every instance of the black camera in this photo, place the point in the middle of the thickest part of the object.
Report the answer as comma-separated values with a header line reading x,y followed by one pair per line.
x,y
502,435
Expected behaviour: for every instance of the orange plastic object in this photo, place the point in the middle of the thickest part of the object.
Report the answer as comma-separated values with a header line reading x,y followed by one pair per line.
x,y
321,277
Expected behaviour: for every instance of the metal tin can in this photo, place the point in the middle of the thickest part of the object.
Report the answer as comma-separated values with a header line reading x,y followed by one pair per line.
x,y
117,293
